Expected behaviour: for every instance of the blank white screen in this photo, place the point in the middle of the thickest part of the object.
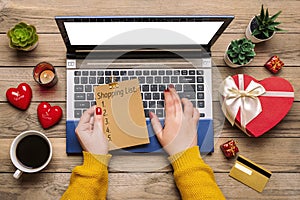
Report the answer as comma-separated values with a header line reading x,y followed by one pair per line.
x,y
141,33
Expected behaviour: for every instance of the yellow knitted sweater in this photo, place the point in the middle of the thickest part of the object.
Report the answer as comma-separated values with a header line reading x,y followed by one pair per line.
x,y
194,178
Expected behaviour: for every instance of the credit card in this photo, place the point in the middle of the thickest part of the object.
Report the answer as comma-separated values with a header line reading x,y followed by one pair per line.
x,y
250,173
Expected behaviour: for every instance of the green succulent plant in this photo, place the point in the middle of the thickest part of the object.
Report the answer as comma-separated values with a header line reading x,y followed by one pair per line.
x,y
265,24
22,36
241,51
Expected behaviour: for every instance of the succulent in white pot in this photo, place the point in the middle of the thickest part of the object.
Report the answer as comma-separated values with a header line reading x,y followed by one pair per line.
x,y
262,27
239,53
23,37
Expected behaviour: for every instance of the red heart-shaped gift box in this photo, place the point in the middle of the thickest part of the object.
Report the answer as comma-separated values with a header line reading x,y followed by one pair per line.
x,y
275,103
48,115
20,97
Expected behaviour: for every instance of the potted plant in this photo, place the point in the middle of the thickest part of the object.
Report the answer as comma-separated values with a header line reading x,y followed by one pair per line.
x,y
239,53
23,37
262,27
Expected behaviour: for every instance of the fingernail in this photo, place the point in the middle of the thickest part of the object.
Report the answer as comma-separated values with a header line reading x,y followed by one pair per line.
x,y
171,86
98,111
167,90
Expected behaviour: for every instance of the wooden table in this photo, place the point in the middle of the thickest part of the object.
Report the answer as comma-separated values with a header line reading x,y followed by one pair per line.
x,y
148,176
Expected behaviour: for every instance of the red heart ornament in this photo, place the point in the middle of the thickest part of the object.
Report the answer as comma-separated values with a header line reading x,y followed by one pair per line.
x,y
274,107
20,97
48,115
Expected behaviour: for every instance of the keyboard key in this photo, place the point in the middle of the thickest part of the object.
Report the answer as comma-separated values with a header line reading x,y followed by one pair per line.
x,y
192,72
200,79
82,104
116,73
130,73
90,96
177,72
93,103
161,88
100,73
88,88
125,78
146,72
76,80
157,79
156,96
161,72
200,95
178,87
107,73
100,80
107,80
77,113
168,72
92,80
201,104
200,87
160,104
153,72
202,114
189,95
153,88
166,79
85,73
184,72
187,79
78,88
147,96
141,79
152,104
77,73
189,87
79,96
200,72
145,88
145,104
159,112
138,72
123,73
92,73
84,80
174,79
146,111
149,80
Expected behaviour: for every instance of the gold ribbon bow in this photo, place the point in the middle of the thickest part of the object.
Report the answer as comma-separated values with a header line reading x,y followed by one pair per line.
x,y
246,100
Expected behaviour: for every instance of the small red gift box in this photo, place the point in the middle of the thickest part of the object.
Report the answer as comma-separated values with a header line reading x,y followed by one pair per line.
x,y
274,64
229,149
255,106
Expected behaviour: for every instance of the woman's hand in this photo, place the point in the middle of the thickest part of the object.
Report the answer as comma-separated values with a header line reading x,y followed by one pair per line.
x,y
90,132
180,129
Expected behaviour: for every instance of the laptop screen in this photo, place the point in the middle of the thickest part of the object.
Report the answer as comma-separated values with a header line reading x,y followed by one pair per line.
x,y
109,32
141,33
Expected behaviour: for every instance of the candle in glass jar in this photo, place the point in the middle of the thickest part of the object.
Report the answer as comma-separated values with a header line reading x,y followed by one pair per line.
x,y
44,74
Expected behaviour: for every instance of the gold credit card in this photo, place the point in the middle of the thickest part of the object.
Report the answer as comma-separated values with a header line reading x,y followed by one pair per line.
x,y
250,173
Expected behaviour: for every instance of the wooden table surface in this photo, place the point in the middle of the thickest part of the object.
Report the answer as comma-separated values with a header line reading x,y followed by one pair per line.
x,y
148,176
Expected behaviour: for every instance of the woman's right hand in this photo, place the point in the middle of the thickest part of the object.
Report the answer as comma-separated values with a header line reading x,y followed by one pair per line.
x,y
180,129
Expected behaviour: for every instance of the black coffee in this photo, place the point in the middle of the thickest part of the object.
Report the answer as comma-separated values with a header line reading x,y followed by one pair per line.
x,y
33,151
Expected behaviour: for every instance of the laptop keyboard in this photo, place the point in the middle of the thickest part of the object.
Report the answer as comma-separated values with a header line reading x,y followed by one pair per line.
x,y
189,83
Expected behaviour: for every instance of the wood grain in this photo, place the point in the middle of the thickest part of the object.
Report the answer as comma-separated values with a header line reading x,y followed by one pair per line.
x,y
282,186
51,48
149,176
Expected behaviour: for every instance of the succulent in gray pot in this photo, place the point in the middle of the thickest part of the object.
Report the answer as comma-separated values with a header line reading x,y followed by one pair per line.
x,y
262,27
23,37
239,53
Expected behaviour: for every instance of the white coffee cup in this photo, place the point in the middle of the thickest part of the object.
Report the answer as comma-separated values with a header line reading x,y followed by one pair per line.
x,y
30,152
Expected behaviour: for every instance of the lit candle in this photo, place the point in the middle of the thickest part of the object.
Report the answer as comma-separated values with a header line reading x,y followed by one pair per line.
x,y
44,74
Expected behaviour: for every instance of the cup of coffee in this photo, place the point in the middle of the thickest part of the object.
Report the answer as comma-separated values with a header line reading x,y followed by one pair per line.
x,y
30,152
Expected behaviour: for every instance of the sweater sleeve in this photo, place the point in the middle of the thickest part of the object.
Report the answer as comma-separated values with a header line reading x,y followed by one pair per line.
x,y
194,178
90,180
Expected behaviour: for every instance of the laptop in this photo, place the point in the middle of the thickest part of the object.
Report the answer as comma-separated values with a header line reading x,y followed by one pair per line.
x,y
156,50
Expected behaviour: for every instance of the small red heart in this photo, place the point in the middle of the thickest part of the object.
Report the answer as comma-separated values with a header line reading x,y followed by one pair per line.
x,y
48,115
20,97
